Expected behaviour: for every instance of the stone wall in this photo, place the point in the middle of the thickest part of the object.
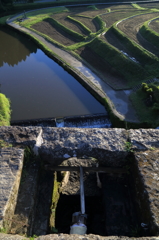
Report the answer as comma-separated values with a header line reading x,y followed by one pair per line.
x,y
11,163
112,148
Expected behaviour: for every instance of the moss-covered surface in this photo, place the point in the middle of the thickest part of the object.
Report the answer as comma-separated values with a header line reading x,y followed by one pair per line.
x,y
55,198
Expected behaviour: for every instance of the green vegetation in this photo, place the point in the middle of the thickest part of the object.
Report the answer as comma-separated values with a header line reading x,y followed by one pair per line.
x,y
3,230
101,23
149,34
87,30
146,103
152,148
135,5
33,237
128,147
108,10
5,111
75,46
92,7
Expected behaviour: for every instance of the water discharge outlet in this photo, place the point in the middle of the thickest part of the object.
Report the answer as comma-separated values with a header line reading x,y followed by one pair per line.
x,y
79,218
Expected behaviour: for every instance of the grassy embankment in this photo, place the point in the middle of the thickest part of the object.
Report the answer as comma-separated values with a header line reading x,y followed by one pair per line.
x,y
4,110
127,68
150,34
101,25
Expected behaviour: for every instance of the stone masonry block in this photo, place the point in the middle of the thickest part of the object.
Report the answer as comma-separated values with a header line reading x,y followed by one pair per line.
x,y
108,145
20,135
144,139
11,163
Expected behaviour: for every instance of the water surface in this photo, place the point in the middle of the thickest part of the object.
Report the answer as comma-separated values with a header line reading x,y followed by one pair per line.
x,y
36,85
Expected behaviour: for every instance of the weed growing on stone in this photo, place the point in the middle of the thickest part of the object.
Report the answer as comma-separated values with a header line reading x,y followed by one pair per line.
x,y
3,230
28,153
152,148
33,237
128,147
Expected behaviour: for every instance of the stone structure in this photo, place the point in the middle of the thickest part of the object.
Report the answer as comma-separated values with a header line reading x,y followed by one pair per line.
x,y
112,148
146,172
11,162
57,144
72,237
144,139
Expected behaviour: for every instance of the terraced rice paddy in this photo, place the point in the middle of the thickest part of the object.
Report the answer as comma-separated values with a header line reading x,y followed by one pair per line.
x,y
109,39
131,28
155,25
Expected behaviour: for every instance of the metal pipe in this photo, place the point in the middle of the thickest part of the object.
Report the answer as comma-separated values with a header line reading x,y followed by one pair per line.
x,y
82,191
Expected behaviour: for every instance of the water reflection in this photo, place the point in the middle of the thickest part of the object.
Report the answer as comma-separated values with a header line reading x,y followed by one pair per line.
x,y
14,47
37,86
